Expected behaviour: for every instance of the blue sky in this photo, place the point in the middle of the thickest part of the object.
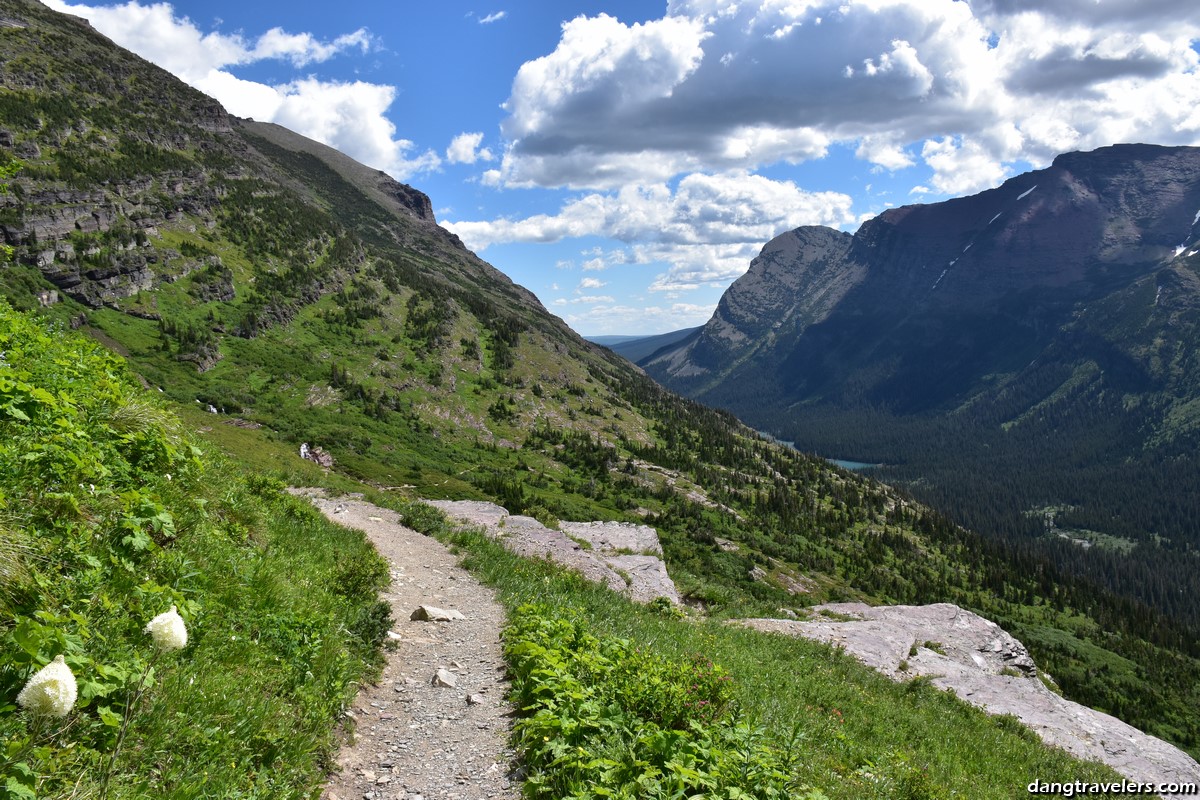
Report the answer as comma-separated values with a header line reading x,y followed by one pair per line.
x,y
626,160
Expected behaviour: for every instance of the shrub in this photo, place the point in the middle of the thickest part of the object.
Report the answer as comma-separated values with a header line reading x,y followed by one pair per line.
x,y
605,718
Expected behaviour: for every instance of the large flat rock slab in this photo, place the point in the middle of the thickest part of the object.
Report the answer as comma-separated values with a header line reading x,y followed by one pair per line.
x,y
623,556
984,665
616,536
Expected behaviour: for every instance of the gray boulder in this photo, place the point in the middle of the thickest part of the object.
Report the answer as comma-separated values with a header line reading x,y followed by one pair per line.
x,y
980,662
600,551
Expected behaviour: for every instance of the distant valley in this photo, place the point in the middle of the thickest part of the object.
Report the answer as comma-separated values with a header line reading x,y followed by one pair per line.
x,y
1025,359
636,348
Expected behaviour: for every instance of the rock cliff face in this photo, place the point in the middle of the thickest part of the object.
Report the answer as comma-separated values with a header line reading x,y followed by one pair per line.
x,y
106,173
1088,220
920,304
797,279
985,666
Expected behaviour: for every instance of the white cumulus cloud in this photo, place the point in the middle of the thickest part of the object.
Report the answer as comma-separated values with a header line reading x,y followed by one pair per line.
x,y
628,318
702,209
177,45
348,115
969,91
465,149
706,230
302,49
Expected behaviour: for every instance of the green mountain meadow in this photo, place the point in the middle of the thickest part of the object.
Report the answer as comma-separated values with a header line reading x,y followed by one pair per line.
x,y
253,291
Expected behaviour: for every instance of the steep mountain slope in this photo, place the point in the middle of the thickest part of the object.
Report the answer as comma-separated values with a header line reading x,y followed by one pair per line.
x,y
927,306
1024,358
282,294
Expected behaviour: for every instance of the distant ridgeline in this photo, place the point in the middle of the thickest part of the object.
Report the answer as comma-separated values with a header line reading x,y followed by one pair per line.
x,y
245,270
1025,359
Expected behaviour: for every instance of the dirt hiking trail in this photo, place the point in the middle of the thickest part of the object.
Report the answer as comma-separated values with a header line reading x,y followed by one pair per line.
x,y
436,726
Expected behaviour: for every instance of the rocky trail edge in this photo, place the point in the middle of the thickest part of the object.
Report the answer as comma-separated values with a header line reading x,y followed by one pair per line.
x,y
437,724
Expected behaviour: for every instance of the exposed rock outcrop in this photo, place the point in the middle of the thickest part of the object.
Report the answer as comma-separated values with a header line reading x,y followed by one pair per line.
x,y
797,279
985,666
603,557
625,537
93,245
317,455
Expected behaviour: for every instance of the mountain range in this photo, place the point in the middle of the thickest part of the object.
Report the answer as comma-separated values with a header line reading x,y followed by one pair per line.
x,y
930,307
281,294
1024,358
635,348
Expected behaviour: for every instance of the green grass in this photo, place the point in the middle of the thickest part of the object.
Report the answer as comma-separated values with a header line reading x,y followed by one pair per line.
x,y
123,515
444,373
118,515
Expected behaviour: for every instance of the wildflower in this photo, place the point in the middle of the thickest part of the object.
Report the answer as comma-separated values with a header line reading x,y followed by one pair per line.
x,y
50,691
168,630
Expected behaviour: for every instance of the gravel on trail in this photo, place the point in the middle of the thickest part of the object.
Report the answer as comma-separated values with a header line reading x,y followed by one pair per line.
x,y
436,726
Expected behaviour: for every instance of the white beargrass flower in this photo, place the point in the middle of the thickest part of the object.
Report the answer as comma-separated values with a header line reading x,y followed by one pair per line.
x,y
168,630
51,691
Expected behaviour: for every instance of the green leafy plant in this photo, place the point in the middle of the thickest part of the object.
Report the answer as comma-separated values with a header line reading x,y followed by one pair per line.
x,y
119,515
8,168
607,719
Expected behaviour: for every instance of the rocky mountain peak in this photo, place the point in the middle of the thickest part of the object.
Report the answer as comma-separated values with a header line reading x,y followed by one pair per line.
x,y
794,281
1028,250
1086,220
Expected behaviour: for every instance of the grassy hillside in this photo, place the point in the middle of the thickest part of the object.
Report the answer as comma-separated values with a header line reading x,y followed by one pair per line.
x,y
304,298
110,513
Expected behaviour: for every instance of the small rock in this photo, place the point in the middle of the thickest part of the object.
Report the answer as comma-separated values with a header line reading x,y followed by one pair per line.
x,y
474,699
444,678
431,614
